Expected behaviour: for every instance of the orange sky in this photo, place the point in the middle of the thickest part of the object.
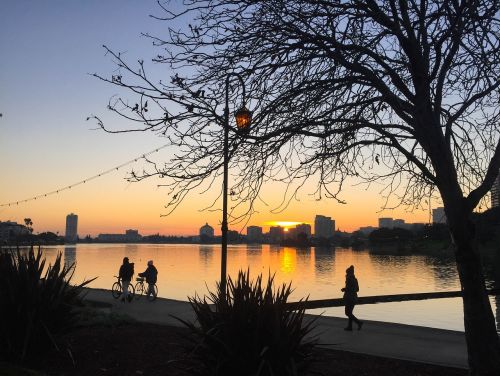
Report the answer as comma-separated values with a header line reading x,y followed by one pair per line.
x,y
112,205
46,142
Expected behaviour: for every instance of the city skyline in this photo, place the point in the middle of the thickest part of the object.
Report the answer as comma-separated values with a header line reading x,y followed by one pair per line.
x,y
71,232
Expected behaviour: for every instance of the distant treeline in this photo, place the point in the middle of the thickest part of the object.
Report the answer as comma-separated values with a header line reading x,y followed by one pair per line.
x,y
487,230
43,238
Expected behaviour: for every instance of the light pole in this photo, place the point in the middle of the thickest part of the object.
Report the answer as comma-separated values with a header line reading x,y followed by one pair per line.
x,y
243,119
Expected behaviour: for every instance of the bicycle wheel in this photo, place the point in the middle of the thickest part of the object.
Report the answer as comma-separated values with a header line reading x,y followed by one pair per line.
x,y
153,296
116,290
139,290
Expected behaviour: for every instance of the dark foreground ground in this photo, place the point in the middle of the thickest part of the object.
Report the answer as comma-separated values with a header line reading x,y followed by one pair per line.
x,y
150,350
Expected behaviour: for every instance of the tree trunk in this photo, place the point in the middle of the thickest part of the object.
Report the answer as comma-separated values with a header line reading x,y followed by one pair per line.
x,y
483,346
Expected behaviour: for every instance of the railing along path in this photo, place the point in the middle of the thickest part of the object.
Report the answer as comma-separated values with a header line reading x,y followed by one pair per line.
x,y
339,302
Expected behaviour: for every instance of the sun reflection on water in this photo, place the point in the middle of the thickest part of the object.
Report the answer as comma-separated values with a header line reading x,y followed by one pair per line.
x,y
288,260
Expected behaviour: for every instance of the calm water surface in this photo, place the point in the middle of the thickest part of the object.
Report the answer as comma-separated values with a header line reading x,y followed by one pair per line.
x,y
186,269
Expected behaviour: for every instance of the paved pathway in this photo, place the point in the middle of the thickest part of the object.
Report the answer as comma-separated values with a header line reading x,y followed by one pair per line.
x,y
416,343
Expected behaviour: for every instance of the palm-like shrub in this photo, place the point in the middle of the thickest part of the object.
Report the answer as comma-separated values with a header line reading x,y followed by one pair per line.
x,y
252,331
36,303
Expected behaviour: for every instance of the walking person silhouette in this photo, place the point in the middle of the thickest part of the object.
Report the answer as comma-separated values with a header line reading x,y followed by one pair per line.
x,y
151,275
350,297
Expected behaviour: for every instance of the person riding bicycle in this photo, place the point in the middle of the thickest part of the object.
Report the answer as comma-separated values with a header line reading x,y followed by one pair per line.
x,y
150,274
126,273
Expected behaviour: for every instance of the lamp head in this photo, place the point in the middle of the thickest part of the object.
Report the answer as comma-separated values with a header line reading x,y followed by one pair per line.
x,y
243,118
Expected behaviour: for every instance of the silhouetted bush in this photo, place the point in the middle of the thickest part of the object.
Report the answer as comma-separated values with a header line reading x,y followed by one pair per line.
x,y
386,235
253,332
36,304
435,231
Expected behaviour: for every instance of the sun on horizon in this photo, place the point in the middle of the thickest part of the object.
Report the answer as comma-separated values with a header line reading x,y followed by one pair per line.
x,y
285,224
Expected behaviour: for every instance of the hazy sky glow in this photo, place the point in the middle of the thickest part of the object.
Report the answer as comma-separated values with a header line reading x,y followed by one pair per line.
x,y
49,49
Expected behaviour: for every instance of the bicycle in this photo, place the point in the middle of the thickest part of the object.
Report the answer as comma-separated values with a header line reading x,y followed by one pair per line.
x,y
141,288
116,289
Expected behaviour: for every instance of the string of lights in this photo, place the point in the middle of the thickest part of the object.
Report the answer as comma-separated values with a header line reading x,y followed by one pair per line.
x,y
57,191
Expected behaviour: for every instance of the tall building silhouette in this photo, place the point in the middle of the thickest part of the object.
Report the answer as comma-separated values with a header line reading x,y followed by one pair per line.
x,y
71,228
276,234
69,256
303,229
385,222
438,215
495,192
324,227
398,223
254,234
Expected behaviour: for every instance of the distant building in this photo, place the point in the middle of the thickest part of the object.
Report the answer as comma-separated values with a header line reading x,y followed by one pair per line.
x,y
495,192
398,223
71,228
299,230
111,238
324,227
10,230
276,234
254,234
132,236
206,231
290,234
367,230
385,223
438,215
233,236
303,228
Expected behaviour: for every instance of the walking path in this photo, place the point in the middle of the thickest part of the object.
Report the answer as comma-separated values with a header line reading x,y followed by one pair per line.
x,y
415,343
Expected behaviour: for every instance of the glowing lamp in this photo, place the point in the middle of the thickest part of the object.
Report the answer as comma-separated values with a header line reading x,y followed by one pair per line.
x,y
243,118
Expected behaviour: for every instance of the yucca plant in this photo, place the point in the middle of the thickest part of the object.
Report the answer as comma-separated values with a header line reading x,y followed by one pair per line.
x,y
252,331
36,303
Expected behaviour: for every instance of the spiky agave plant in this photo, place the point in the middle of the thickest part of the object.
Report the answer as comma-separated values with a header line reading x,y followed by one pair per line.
x,y
252,331
36,303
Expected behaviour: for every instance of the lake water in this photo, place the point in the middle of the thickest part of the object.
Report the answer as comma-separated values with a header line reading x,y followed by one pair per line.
x,y
186,269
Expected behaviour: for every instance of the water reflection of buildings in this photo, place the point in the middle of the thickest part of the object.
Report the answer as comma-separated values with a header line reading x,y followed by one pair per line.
x,y
205,253
324,260
69,256
254,250
444,271
304,257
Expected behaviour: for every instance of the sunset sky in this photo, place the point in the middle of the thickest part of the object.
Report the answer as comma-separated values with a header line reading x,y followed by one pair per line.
x,y
49,49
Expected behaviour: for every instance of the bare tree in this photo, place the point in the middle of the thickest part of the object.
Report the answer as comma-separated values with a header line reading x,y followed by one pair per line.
x,y
404,91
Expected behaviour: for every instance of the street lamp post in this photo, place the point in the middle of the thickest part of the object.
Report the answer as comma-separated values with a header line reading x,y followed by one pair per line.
x,y
243,119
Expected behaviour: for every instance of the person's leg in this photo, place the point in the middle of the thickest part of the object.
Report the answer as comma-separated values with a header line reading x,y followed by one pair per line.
x,y
355,319
348,312
125,290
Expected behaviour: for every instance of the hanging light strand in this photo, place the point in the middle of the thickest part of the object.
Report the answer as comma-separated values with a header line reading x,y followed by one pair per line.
x,y
57,191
